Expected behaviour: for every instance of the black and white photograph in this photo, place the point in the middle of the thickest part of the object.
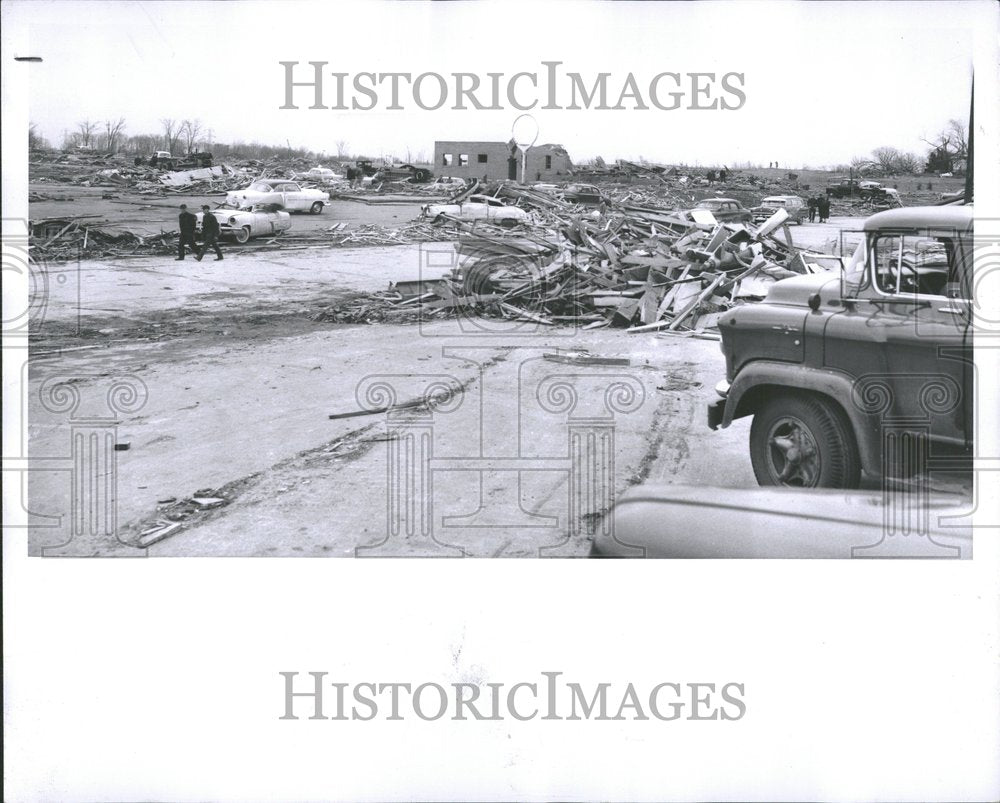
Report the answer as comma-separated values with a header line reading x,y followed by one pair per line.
x,y
556,280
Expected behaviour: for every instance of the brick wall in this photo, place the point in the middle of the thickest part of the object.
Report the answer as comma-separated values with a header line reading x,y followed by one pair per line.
x,y
489,160
481,159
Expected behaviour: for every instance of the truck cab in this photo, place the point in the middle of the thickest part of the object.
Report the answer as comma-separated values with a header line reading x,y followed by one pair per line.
x,y
863,371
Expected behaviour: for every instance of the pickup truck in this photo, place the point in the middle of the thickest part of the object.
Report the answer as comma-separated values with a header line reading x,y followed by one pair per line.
x,y
863,371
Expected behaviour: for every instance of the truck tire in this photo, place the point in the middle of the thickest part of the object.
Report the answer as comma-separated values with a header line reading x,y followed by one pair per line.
x,y
803,441
316,208
420,175
243,235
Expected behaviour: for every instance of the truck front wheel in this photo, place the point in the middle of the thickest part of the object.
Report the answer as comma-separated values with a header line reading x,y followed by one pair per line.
x,y
803,441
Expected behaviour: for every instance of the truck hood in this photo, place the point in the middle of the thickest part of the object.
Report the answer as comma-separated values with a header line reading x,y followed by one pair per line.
x,y
797,290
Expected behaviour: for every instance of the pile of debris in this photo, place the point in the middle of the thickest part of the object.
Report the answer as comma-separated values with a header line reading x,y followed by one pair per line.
x,y
644,269
64,239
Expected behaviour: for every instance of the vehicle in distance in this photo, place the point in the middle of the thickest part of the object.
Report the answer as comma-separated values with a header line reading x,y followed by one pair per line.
x,y
863,371
289,195
243,224
726,210
448,182
793,204
321,175
584,194
478,207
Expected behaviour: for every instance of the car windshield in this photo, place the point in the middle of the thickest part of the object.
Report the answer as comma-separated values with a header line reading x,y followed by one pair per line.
x,y
260,186
709,204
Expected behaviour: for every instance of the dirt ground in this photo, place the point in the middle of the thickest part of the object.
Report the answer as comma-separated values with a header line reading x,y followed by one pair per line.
x,y
239,381
234,371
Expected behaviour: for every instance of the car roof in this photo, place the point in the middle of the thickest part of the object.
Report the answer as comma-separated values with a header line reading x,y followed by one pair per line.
x,y
782,198
922,217
718,200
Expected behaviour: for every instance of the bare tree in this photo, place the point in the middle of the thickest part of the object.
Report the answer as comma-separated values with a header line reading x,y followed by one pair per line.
x,y
341,149
950,144
887,158
958,138
35,139
113,131
86,130
908,163
171,133
190,130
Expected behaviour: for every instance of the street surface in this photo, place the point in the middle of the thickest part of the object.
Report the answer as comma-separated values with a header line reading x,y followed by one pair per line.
x,y
239,379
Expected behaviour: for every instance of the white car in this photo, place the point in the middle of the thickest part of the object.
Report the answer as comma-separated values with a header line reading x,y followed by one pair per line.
x,y
286,194
449,182
321,175
479,207
242,224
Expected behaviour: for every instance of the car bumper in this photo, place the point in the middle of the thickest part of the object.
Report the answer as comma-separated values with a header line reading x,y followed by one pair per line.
x,y
717,409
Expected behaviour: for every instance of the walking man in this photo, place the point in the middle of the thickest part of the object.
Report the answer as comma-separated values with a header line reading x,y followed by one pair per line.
x,y
209,234
812,208
187,223
824,209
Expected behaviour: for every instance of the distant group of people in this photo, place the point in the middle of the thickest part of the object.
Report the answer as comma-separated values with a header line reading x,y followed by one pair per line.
x,y
819,206
209,233
712,176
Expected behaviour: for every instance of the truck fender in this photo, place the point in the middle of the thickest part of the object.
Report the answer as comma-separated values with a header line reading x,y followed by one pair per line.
x,y
744,395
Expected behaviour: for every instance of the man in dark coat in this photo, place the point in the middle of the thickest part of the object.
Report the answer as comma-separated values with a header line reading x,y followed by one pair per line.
x,y
824,209
209,234
813,203
187,223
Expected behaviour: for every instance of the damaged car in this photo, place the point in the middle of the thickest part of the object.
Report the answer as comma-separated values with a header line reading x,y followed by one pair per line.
x,y
478,207
726,210
243,224
289,195
795,207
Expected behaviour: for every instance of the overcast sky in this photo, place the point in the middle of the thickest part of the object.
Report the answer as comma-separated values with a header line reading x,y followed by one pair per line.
x,y
823,81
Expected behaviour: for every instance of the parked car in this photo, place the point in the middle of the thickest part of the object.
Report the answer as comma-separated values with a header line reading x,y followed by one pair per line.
x,y
797,208
726,210
448,182
286,194
479,207
844,188
321,175
243,224
677,521
841,372
584,194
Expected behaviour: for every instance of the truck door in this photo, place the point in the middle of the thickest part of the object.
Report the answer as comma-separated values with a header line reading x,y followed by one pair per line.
x,y
906,339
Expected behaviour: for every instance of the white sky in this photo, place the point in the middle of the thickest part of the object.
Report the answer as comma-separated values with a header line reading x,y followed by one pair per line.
x,y
824,81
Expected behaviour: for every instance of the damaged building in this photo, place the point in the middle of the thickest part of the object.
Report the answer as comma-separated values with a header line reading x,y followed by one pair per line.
x,y
497,161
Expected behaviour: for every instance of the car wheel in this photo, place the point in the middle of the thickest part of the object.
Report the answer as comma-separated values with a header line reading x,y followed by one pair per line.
x,y
316,208
507,222
243,235
803,441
